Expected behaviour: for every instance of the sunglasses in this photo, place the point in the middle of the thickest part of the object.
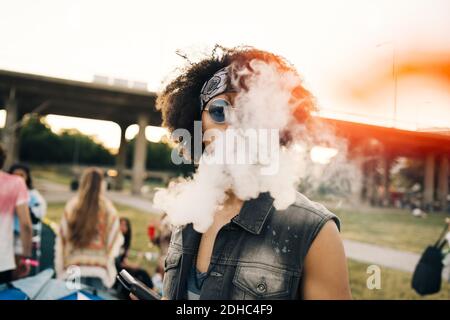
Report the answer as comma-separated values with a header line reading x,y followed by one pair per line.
x,y
218,110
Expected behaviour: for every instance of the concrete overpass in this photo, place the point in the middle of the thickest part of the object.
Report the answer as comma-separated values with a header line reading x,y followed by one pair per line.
x,y
375,147
22,93
369,145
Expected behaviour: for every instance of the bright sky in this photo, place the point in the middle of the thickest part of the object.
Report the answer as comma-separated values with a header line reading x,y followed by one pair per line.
x,y
338,46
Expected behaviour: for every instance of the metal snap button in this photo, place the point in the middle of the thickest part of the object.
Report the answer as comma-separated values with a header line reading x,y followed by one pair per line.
x,y
261,287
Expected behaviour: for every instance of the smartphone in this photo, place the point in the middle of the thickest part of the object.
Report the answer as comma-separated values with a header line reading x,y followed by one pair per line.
x,y
140,290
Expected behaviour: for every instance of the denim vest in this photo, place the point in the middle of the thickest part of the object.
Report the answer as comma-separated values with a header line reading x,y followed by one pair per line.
x,y
258,255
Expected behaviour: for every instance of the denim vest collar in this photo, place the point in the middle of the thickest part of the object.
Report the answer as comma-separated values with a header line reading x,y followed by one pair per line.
x,y
254,213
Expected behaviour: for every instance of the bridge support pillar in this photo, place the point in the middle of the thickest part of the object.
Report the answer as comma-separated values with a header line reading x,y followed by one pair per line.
x,y
140,156
358,183
386,163
121,160
443,182
371,182
428,193
10,137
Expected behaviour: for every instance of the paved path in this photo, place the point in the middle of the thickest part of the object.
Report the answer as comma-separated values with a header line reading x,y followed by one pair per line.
x,y
136,202
382,256
54,192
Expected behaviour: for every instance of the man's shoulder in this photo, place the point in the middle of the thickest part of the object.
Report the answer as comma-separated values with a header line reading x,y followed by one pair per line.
x,y
7,177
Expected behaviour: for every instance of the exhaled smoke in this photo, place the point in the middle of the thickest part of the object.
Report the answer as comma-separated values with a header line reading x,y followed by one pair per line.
x,y
264,149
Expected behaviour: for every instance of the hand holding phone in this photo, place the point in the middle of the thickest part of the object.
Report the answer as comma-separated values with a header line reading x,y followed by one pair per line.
x,y
141,291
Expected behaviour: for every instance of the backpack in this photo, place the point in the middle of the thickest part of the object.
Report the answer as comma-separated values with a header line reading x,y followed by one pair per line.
x,y
427,276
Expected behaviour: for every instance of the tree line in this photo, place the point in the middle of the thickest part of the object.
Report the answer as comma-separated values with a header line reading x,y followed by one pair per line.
x,y
40,145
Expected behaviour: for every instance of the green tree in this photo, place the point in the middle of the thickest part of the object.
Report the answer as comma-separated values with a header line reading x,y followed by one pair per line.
x,y
158,158
41,145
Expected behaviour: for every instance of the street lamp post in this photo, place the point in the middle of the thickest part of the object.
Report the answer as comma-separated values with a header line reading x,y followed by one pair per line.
x,y
394,77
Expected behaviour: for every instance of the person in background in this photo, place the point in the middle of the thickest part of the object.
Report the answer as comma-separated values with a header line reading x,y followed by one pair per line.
x,y
162,240
37,204
13,197
446,260
37,207
122,261
160,237
89,238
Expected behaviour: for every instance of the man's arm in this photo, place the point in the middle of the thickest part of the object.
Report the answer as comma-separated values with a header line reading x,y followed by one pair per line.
x,y
325,274
26,229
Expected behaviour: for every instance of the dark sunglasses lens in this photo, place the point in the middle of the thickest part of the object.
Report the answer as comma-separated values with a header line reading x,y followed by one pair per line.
x,y
217,110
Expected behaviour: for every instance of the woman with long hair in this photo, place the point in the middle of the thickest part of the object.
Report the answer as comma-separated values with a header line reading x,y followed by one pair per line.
x,y
89,237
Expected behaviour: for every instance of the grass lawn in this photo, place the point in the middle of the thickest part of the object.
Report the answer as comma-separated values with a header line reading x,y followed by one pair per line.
x,y
394,285
61,175
393,228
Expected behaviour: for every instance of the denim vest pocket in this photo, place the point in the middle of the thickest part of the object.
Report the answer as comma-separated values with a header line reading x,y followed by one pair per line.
x,y
263,282
171,266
